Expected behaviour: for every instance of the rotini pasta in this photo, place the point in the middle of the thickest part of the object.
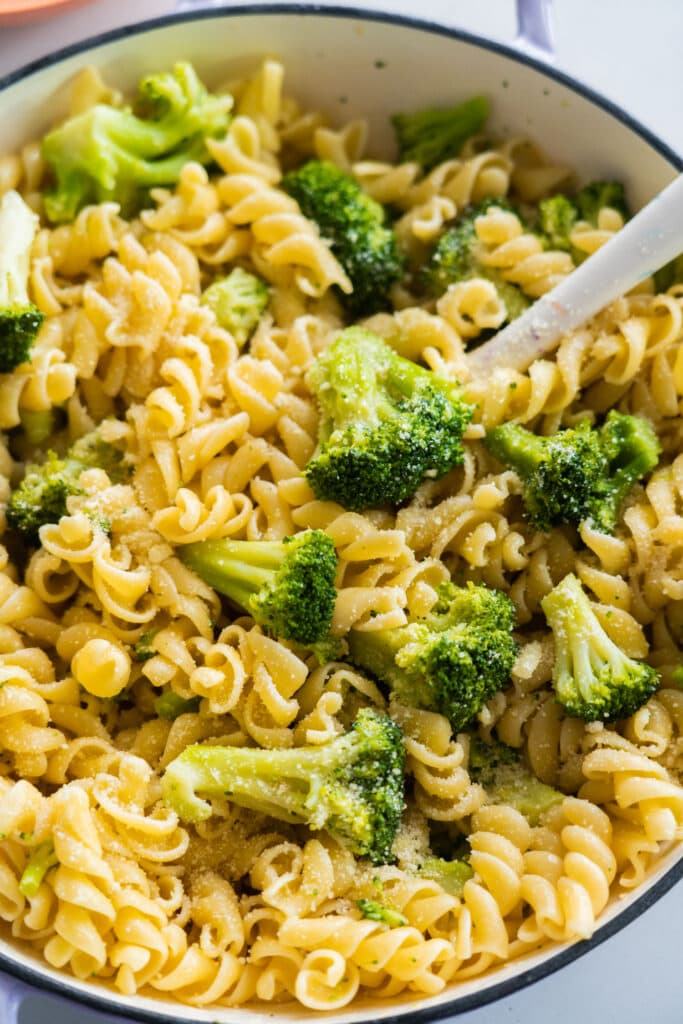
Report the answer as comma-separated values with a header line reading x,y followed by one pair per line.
x,y
115,656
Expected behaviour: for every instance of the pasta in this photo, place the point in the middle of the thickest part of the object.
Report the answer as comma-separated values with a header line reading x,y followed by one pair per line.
x,y
103,616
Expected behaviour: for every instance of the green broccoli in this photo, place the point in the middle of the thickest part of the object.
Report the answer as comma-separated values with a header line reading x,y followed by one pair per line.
x,y
354,225
351,786
578,474
372,910
450,874
144,649
597,195
170,705
111,154
41,497
42,858
507,779
286,586
557,217
386,423
455,258
593,679
20,319
431,136
238,301
451,660
558,214
38,424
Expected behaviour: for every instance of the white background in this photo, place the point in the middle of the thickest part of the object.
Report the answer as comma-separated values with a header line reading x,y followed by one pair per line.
x,y
632,52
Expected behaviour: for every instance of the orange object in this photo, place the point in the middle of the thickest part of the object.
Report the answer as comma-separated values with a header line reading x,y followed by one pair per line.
x,y
16,12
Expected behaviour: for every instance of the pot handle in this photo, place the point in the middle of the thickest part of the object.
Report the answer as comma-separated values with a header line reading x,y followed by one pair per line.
x,y
534,27
535,30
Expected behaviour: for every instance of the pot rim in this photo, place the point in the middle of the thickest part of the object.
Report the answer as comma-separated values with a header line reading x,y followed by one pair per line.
x,y
99,1000
300,7
43,978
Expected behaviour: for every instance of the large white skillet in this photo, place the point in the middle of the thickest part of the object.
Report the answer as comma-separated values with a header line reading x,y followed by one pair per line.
x,y
356,63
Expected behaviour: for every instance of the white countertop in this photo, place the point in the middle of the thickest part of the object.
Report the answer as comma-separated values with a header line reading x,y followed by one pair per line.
x,y
630,52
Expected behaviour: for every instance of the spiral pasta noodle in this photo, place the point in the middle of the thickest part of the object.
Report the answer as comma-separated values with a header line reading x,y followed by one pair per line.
x,y
115,656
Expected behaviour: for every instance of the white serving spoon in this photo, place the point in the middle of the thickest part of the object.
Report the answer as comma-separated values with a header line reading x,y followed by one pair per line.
x,y
647,242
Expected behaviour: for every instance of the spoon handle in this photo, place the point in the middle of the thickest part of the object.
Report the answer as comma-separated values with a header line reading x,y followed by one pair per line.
x,y
648,241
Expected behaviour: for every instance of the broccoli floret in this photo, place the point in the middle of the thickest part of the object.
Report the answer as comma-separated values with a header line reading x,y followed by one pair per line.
x,y
455,258
39,863
593,679
372,910
238,301
37,424
508,780
354,226
558,214
20,319
431,136
170,705
41,497
451,660
557,217
578,474
386,423
594,197
92,452
450,874
111,154
351,786
286,586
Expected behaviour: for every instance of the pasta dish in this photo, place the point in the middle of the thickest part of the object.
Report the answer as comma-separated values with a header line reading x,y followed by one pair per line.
x,y
327,669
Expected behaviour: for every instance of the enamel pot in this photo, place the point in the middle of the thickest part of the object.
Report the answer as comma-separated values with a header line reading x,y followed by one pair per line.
x,y
355,63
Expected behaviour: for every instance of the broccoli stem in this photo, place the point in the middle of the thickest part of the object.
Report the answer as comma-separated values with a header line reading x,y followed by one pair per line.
x,y
41,860
20,319
376,651
18,228
507,779
170,705
249,777
373,910
38,424
237,569
286,586
450,874
514,446
352,786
